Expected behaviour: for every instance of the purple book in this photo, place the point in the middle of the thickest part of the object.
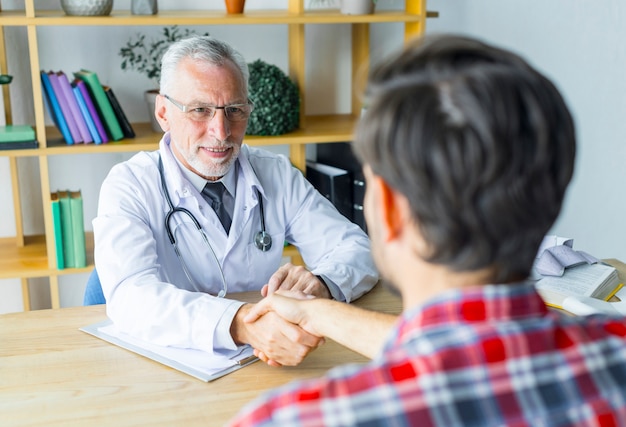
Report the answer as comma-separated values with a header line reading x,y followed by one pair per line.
x,y
92,109
74,108
65,108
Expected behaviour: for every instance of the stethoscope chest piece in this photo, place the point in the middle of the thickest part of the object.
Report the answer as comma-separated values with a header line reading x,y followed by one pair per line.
x,y
263,241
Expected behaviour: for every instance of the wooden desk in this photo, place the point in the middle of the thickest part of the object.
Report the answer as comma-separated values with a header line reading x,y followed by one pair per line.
x,y
53,374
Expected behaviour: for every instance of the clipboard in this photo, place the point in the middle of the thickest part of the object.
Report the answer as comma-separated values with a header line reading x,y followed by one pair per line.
x,y
197,363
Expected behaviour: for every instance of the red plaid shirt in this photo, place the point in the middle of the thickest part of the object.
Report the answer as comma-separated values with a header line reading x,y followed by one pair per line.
x,y
483,356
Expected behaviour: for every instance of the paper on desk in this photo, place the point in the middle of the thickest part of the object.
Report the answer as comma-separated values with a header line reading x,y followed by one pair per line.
x,y
556,254
197,363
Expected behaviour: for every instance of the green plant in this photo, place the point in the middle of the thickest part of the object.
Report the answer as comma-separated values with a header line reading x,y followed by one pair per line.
x,y
276,100
145,57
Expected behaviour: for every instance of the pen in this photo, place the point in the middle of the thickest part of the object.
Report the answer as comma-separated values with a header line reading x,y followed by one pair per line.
x,y
246,360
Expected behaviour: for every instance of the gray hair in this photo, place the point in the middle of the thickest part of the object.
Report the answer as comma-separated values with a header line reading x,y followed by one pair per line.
x,y
203,48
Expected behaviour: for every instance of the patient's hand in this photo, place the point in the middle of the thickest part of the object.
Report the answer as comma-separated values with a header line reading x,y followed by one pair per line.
x,y
276,341
289,306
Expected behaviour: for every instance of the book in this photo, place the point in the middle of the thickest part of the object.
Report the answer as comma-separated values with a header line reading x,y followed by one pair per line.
x,y
197,363
127,129
599,281
17,133
19,145
91,126
54,108
66,87
333,183
66,228
65,108
102,103
58,233
78,229
93,112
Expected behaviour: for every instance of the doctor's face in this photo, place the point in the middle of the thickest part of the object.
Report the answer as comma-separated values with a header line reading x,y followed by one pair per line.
x,y
206,146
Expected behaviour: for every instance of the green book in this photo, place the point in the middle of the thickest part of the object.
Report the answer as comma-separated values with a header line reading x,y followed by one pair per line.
x,y
58,233
78,229
102,102
66,228
16,133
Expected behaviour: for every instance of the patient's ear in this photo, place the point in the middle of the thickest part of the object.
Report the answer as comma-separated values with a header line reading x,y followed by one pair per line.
x,y
392,208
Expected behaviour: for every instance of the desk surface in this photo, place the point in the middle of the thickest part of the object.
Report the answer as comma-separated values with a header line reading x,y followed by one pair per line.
x,y
53,374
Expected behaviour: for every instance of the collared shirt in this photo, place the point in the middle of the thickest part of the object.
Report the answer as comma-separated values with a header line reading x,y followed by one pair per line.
x,y
229,180
150,296
483,356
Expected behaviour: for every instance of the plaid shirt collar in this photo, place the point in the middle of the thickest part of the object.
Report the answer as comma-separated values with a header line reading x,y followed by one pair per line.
x,y
487,303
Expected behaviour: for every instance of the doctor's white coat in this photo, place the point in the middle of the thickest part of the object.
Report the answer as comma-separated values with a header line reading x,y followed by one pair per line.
x,y
148,294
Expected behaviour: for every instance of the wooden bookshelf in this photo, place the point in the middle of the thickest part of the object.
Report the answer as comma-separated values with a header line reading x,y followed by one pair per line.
x,y
26,257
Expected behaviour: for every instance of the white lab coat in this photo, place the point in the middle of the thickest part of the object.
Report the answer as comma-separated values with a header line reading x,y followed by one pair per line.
x,y
148,294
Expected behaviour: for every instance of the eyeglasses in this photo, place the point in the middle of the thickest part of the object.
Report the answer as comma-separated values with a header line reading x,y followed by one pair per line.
x,y
203,113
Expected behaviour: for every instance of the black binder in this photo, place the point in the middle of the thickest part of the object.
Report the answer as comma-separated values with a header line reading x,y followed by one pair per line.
x,y
339,154
334,184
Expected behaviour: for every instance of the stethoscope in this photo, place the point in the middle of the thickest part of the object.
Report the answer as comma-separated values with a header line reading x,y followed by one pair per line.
x,y
262,239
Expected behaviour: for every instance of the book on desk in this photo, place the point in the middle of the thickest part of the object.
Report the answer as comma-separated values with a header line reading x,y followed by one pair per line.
x,y
574,280
599,281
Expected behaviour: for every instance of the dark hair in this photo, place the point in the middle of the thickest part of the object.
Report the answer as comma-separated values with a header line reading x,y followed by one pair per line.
x,y
480,143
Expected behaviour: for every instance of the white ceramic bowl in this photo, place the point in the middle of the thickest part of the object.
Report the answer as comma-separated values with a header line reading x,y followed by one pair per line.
x,y
87,7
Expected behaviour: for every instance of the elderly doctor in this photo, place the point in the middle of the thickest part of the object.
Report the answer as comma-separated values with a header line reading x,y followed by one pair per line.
x,y
166,255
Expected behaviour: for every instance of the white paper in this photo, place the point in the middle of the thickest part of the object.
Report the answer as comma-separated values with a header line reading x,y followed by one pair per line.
x,y
197,363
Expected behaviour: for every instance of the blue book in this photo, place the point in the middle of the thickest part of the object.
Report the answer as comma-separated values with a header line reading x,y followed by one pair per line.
x,y
55,108
85,112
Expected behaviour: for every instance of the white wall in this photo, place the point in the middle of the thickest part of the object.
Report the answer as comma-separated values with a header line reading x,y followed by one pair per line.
x,y
577,43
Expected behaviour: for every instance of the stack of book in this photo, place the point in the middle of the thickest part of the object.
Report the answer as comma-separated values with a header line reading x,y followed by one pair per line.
x,y
69,232
84,110
17,137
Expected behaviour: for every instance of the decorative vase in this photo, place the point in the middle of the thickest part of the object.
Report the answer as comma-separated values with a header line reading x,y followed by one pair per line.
x,y
144,7
150,97
357,7
87,7
234,6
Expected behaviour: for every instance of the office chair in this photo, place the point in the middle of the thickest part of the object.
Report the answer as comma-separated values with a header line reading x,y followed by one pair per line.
x,y
93,290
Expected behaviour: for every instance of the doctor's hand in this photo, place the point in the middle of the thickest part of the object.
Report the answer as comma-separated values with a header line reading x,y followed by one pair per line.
x,y
287,306
296,278
275,340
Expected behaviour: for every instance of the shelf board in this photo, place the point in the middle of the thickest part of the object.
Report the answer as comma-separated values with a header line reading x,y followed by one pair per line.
x,y
31,260
205,17
318,129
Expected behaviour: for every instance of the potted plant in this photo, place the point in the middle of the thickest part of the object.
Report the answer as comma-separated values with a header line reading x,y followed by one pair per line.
x,y
276,100
144,56
357,7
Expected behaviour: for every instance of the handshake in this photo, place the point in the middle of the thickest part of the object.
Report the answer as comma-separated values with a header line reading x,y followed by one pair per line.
x,y
277,326
295,316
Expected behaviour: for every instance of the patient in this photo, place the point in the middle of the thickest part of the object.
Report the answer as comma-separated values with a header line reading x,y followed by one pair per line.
x,y
461,143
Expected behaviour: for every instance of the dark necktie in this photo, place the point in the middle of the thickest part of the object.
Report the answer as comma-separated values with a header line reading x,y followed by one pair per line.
x,y
214,193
